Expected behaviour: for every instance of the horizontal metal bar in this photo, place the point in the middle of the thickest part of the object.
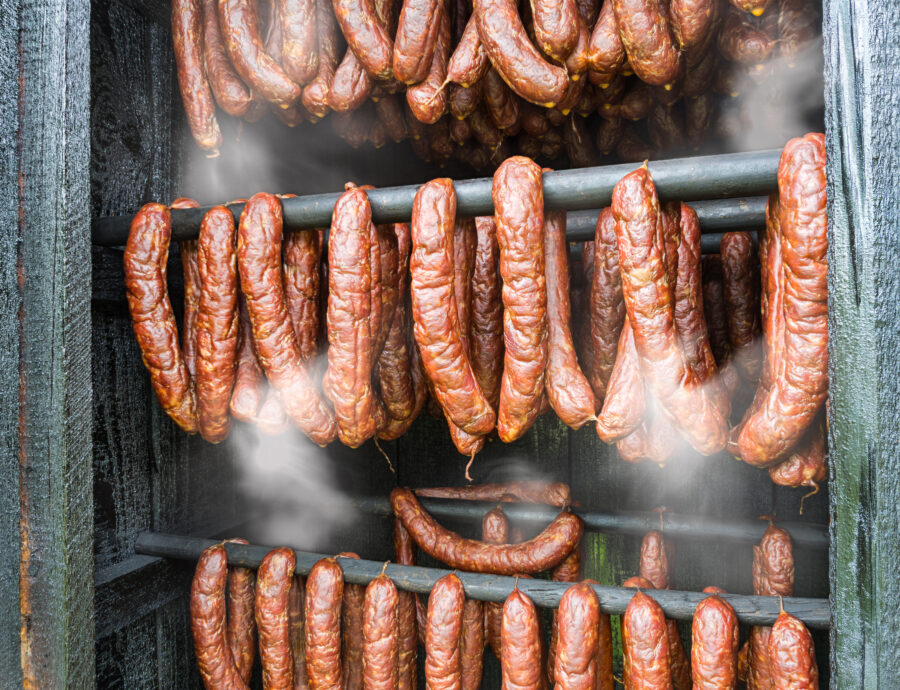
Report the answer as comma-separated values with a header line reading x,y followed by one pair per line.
x,y
752,610
803,534
686,179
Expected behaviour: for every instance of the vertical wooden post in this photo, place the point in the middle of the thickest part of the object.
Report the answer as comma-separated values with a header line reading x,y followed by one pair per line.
x,y
862,101
46,497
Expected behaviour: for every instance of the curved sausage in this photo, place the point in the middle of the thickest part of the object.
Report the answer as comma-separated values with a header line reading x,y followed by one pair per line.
x,y
259,262
241,630
297,622
644,642
273,584
514,57
469,61
315,96
443,667
494,530
800,384
249,380
500,102
428,99
648,300
324,593
230,92
691,21
518,198
520,635
606,53
240,27
366,36
578,643
299,44
153,321
556,27
546,550
416,39
792,655
715,640
625,402
567,388
806,465
647,38
435,314
381,635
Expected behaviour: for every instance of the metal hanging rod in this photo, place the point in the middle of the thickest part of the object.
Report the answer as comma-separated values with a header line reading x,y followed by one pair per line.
x,y
685,179
803,534
752,610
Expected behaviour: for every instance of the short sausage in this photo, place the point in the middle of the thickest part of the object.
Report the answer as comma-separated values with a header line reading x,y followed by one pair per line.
x,y
715,640
578,641
443,667
486,330
381,635
229,91
299,45
520,635
646,34
273,584
324,593
297,622
792,655
644,641
416,39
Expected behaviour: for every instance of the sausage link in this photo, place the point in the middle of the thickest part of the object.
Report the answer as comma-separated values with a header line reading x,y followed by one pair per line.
x,y
153,321
241,629
806,465
471,644
436,329
715,640
390,113
567,388
520,635
366,36
792,655
519,203
414,634
796,28
567,571
717,322
606,53
654,563
759,665
741,285
443,665
625,400
556,27
273,586
544,551
462,101
352,640
644,641
648,300
501,103
494,530
296,620
416,39
514,57
351,85
299,45
230,92
469,61
773,564
578,641
240,26
324,594
217,322
647,38
315,96
691,21
301,254
743,40
549,493
428,99
381,635
249,380
259,262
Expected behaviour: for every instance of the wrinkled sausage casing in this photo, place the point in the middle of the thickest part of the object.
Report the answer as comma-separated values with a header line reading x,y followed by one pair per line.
x,y
575,666
443,664
352,640
800,385
366,36
544,551
437,329
230,92
297,621
152,318
301,254
427,100
241,633
773,564
518,198
486,329
315,96
649,297
526,491
644,639
380,635
249,379
472,644
646,34
715,639
494,530
324,592
654,560
259,262
625,402
274,579
520,635
792,655
208,612
740,279
416,38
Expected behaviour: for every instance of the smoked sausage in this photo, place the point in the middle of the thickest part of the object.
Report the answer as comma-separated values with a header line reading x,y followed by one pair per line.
x,y
315,96
486,329
297,621
381,635
644,642
715,640
577,647
366,36
792,655
549,493
229,91
241,631
648,41
416,39
352,640
443,664
273,584
324,593
740,279
520,635
471,645
494,530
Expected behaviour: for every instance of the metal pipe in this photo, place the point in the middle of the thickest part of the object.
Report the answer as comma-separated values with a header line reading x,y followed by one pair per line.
x,y
686,179
803,534
752,610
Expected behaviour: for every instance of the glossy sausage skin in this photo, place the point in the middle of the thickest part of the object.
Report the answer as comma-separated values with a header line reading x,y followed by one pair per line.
x,y
152,318
366,36
352,640
567,388
520,635
646,35
556,27
577,647
486,329
471,645
649,303
546,550
443,667
315,96
241,631
644,641
435,314
240,28
273,585
715,639
381,635
740,278
792,655
549,493
416,39
801,383
230,92
469,61
301,254
494,530
299,46
324,593
773,564
606,53
249,379
428,99
625,402
259,262
514,57
519,210
208,612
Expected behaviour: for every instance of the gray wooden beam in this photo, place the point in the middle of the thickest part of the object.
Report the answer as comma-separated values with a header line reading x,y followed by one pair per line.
x,y
45,351
862,108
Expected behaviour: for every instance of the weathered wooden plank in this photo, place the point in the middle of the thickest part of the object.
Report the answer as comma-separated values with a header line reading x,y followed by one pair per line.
x,y
861,96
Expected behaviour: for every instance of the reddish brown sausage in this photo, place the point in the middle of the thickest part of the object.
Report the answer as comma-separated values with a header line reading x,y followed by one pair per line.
x,y
463,101
691,20
315,96
352,641
546,550
500,102
435,314
240,27
366,36
412,611
230,92
792,655
654,563
567,388
520,635
494,530
380,635
715,641
741,283
416,39
324,593
549,493
649,302
743,40
152,318
428,99
217,322
469,62
273,585
773,564
486,333
514,57
644,641
605,51
296,621
519,204
241,631
471,645
577,648
208,612
556,27
625,402
299,46
301,254
259,262
443,667
717,322
806,464
646,35
249,380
